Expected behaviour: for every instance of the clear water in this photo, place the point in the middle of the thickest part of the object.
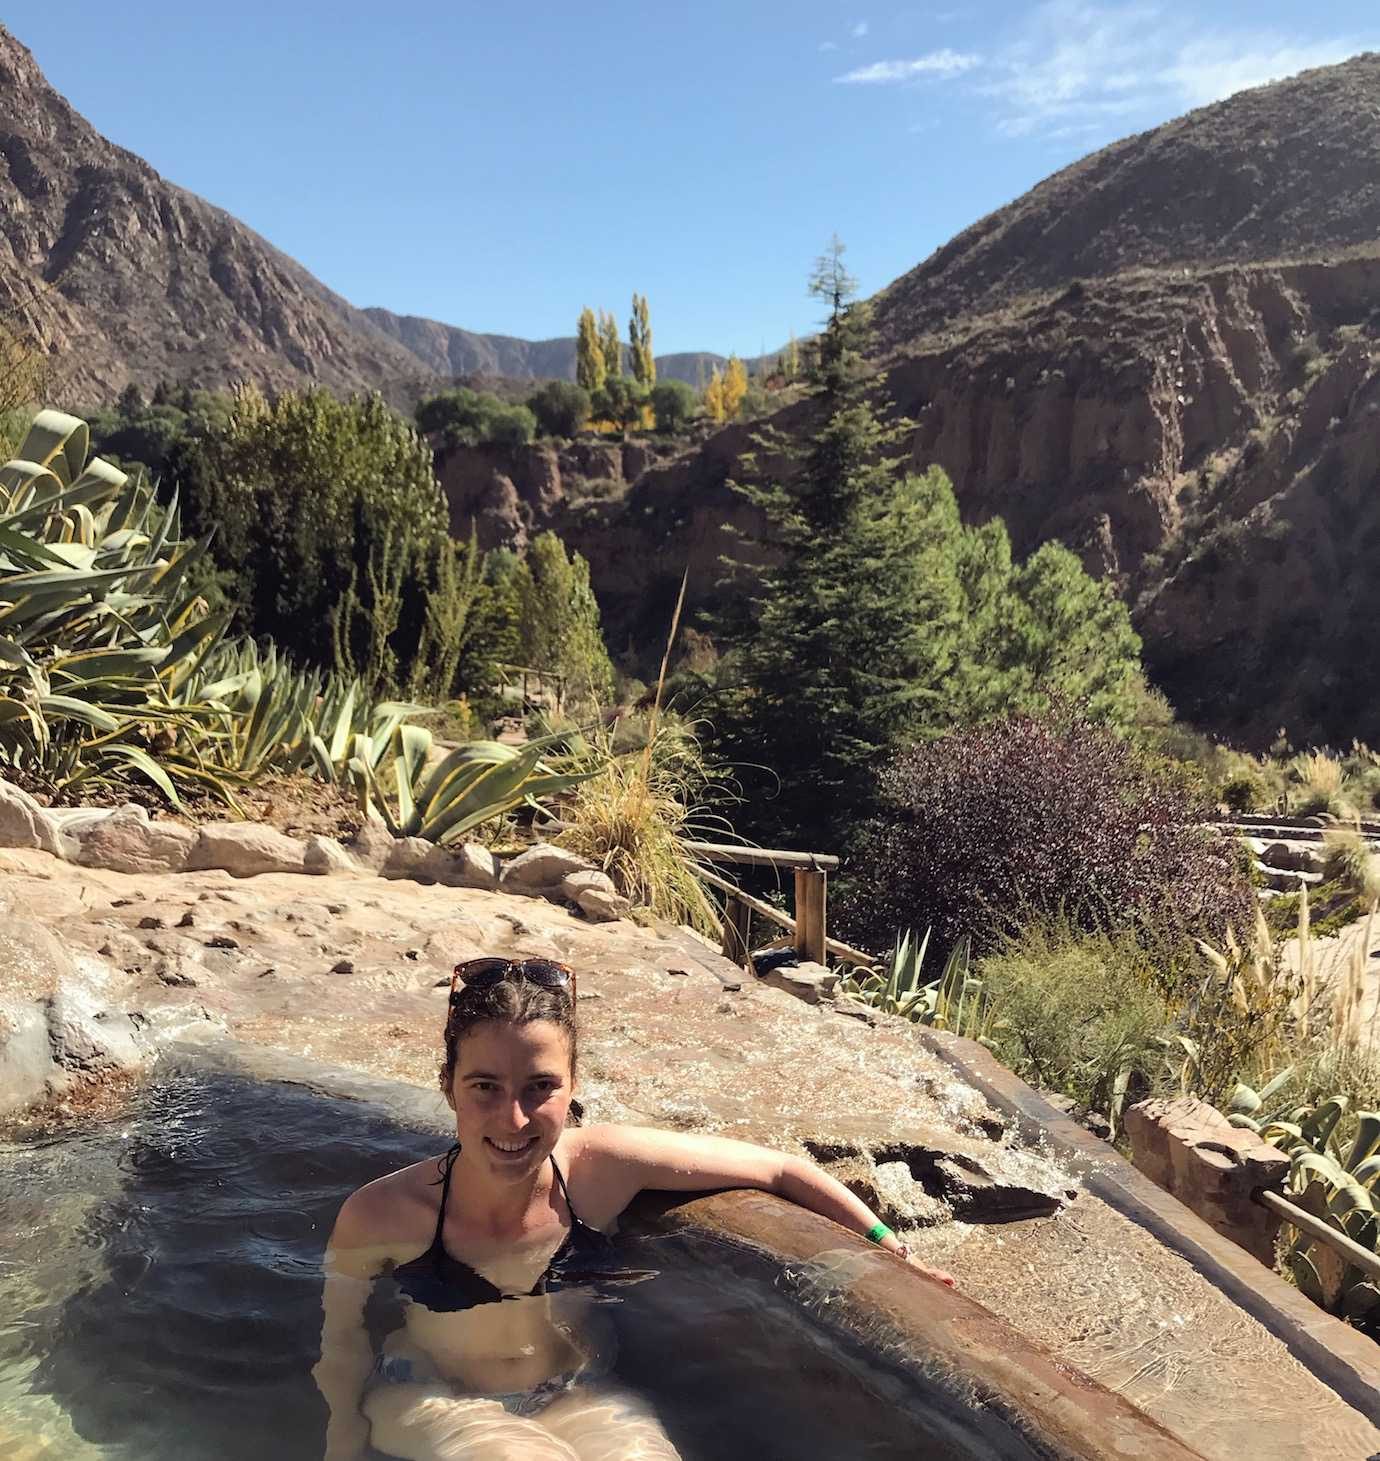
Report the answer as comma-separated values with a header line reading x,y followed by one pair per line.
x,y
160,1289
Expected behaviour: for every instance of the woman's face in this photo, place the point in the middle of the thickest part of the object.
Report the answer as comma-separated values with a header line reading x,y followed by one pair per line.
x,y
510,1092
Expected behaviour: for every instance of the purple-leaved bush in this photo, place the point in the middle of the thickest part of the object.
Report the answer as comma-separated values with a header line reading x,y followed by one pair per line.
x,y
986,830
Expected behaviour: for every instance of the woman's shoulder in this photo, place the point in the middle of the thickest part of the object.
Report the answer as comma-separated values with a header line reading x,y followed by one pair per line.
x,y
393,1211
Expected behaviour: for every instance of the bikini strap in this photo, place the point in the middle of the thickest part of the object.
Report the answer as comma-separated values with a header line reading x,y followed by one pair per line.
x,y
449,1161
565,1193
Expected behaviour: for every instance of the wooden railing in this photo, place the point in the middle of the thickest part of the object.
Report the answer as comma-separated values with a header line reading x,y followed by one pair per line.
x,y
808,924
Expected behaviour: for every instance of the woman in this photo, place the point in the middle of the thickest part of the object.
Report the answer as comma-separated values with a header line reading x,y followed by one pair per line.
x,y
488,1245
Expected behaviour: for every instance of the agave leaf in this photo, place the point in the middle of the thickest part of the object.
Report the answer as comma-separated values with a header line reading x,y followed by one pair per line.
x,y
1367,1139
1319,1127
67,707
140,760
1244,1101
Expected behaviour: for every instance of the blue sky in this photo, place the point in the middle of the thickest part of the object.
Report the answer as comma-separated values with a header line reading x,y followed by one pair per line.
x,y
498,166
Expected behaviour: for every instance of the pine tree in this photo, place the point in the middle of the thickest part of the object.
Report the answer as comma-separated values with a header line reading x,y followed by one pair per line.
x,y
609,344
589,353
844,650
735,387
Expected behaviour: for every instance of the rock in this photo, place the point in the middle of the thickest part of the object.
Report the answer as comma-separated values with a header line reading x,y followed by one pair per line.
x,y
371,845
23,823
172,971
245,850
542,868
469,866
222,941
1190,1148
595,895
25,1058
152,920
410,857
343,966
810,982
854,1010
127,842
86,1037
326,857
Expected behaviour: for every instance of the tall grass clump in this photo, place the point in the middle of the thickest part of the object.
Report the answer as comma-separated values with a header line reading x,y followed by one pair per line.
x,y
1318,782
633,817
1348,859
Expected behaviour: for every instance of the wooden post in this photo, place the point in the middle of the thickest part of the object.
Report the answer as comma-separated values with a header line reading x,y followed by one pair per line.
x,y
737,930
810,931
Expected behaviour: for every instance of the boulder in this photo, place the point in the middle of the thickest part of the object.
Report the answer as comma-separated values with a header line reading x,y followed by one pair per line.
x,y
807,981
542,868
87,1037
410,857
245,849
325,856
466,866
372,845
595,895
127,842
23,823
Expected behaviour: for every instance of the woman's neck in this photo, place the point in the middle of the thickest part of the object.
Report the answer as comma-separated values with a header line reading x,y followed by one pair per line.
x,y
501,1207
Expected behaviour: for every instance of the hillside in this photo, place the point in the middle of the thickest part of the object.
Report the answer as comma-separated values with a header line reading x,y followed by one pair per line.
x,y
1166,356
127,277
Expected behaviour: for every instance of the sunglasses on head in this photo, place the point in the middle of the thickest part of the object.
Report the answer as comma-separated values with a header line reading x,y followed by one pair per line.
x,y
482,973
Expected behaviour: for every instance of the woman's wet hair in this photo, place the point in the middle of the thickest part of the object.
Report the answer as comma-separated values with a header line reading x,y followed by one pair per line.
x,y
507,1002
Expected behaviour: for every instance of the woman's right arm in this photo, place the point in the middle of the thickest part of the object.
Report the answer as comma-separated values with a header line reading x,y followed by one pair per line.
x,y
352,1263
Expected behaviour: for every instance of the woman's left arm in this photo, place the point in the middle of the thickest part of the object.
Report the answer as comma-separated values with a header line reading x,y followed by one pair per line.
x,y
633,1158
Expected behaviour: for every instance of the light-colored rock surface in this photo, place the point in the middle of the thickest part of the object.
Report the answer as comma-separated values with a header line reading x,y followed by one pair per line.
x,y
807,981
245,850
594,894
540,868
23,823
371,845
324,856
409,857
126,841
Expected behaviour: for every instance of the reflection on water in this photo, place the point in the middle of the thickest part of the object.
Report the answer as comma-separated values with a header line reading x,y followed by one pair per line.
x,y
160,1288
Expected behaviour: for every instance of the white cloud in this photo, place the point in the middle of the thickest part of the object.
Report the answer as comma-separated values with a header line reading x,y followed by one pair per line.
x,y
1078,67
860,30
828,46
943,64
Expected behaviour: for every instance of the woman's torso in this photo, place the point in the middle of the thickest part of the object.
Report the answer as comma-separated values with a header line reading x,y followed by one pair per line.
x,y
497,1316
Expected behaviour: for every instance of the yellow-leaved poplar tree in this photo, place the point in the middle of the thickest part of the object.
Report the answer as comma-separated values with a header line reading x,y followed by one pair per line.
x,y
735,384
640,342
589,353
714,396
792,363
608,341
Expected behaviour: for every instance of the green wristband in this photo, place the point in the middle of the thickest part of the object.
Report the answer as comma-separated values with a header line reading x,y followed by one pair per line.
x,y
878,1231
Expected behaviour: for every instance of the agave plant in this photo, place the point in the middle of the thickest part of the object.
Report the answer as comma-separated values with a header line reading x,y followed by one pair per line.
x,y
954,1001
96,622
1333,1178
473,784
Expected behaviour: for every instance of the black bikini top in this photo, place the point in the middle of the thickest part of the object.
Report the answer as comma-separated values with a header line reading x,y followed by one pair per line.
x,y
445,1285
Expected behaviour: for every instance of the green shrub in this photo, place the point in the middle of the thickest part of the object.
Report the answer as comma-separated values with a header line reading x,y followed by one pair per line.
x,y
674,406
986,829
474,418
1079,1014
1243,794
561,408
1347,859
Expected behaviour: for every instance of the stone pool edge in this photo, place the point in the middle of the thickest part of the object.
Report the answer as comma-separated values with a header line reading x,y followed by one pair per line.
x,y
1341,1358
943,1331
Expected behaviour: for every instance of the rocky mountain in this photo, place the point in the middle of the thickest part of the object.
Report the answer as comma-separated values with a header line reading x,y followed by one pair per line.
x,y
126,277
447,350
1166,356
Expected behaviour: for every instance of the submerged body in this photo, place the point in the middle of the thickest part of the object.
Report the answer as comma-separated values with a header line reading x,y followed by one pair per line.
x,y
499,1354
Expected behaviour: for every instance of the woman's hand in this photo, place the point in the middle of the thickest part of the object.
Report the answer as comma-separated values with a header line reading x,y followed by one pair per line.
x,y
947,1279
